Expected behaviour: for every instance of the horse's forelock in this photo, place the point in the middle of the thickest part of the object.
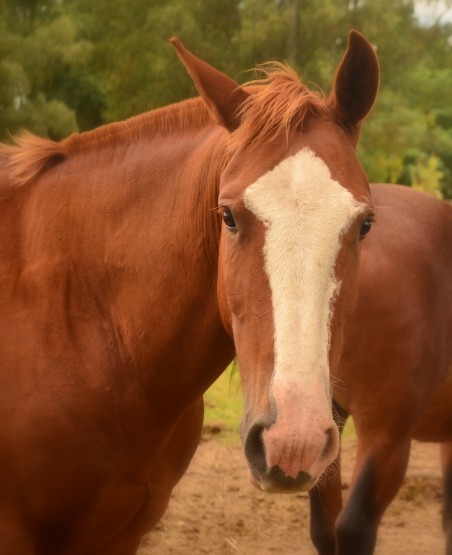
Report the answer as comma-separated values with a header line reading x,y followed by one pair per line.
x,y
280,103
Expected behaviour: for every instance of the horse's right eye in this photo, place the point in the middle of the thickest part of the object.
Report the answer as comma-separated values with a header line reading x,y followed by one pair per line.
x,y
365,228
229,220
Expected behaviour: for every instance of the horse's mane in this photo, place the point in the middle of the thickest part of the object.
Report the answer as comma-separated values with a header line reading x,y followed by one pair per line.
x,y
29,154
279,103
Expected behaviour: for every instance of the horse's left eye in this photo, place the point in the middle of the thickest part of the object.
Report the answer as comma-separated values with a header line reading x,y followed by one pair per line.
x,y
365,228
229,220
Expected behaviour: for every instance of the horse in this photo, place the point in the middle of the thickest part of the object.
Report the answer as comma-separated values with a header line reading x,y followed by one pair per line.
x,y
395,373
137,260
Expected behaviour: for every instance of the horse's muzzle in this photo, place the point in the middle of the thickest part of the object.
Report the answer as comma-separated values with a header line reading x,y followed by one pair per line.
x,y
307,462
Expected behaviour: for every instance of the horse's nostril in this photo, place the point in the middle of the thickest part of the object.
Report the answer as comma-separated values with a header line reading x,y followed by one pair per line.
x,y
331,442
254,449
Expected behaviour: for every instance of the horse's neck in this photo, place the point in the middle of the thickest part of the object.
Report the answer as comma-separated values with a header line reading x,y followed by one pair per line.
x,y
122,244
176,322
166,294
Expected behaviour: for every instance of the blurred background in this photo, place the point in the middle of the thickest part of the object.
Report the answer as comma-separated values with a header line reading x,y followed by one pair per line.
x,y
71,65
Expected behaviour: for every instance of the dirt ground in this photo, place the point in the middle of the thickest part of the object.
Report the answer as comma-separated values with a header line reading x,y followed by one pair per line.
x,y
215,510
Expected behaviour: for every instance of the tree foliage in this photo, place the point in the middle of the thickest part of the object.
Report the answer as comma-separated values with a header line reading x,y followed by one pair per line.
x,y
68,65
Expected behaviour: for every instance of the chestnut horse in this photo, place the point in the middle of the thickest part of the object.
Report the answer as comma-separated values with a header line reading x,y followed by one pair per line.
x,y
395,374
137,260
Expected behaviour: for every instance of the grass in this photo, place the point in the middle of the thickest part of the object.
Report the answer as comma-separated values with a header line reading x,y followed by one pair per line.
x,y
223,406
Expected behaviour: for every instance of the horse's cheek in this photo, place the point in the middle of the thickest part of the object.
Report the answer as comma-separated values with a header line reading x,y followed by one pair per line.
x,y
222,296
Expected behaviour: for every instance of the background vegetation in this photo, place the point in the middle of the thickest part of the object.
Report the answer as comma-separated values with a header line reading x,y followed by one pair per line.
x,y
68,65
223,405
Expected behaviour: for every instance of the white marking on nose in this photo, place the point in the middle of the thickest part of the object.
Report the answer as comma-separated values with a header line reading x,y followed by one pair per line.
x,y
305,213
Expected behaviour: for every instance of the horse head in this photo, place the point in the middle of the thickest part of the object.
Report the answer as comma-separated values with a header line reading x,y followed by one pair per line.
x,y
296,205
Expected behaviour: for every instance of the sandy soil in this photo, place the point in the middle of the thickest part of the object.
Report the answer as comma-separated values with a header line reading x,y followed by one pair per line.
x,y
214,510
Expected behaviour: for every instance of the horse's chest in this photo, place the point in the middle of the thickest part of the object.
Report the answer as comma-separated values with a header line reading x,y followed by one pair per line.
x,y
111,469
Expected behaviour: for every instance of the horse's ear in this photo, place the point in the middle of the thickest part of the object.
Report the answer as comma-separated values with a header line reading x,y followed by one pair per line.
x,y
356,83
222,95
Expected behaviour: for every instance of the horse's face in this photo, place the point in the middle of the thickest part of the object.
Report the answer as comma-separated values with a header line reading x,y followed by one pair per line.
x,y
293,221
295,208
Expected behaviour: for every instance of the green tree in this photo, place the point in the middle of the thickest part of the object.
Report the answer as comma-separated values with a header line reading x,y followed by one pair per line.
x,y
133,58
44,84
73,64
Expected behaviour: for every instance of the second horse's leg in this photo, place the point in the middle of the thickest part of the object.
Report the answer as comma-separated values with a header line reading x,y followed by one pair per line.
x,y
326,499
379,471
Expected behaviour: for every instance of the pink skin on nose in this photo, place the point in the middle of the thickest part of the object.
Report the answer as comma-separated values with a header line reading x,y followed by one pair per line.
x,y
304,437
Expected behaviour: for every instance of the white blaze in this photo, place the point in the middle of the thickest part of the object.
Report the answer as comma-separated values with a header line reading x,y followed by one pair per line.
x,y
305,213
